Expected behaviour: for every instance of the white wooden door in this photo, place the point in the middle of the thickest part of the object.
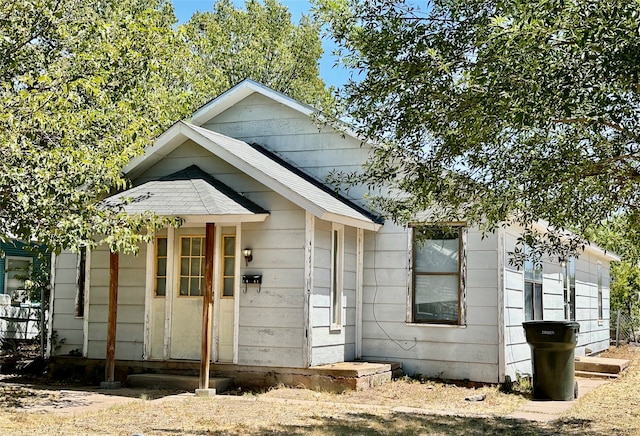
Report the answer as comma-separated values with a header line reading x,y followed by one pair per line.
x,y
186,316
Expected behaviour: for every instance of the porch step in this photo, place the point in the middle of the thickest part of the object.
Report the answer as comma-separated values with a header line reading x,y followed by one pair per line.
x,y
182,382
600,365
600,375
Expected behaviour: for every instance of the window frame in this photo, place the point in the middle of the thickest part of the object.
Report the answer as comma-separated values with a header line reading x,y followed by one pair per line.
x,y
202,266
460,274
600,292
81,283
222,266
570,288
156,276
336,284
537,287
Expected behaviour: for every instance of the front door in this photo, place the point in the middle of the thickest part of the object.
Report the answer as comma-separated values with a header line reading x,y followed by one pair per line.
x,y
176,309
186,314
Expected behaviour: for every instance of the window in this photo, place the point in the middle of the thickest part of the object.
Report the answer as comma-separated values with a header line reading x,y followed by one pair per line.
x,y
161,267
437,275
337,267
532,287
191,266
228,265
17,271
600,308
570,289
80,282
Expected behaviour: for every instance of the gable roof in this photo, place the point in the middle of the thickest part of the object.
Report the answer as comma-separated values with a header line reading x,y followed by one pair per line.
x,y
247,87
239,92
264,167
189,193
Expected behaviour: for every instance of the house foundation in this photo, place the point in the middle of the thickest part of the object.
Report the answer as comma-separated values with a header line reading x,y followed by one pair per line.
x,y
337,377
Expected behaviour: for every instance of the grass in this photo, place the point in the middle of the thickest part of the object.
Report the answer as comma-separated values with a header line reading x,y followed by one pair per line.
x,y
610,409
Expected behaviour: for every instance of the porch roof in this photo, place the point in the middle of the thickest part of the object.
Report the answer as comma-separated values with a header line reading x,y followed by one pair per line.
x,y
189,193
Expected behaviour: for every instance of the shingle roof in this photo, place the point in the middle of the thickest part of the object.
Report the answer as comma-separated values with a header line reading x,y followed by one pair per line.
x,y
270,170
188,192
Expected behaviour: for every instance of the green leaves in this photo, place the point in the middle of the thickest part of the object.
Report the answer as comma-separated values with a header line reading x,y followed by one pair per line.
x,y
259,43
85,86
79,100
498,111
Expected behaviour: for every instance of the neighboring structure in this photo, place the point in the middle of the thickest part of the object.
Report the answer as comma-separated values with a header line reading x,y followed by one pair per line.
x,y
324,280
19,315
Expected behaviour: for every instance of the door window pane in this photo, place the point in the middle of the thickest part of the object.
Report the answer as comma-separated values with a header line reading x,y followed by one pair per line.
x,y
161,267
228,265
227,290
191,265
229,245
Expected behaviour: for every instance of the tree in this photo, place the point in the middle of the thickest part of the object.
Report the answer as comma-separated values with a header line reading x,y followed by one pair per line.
x,y
619,235
497,111
84,86
259,43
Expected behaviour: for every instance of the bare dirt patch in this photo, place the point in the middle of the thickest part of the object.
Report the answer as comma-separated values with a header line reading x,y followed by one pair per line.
x,y
405,407
433,395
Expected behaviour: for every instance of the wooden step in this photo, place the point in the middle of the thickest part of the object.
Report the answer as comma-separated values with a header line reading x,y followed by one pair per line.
x,y
601,375
600,365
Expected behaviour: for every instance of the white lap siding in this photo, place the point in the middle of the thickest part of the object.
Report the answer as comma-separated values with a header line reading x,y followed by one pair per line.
x,y
332,345
468,351
594,333
271,321
66,327
317,150
131,291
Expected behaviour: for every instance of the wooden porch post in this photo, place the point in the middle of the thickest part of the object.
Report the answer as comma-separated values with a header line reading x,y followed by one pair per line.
x,y
111,322
207,308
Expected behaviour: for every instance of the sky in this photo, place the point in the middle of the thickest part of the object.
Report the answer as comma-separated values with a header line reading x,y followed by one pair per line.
x,y
331,74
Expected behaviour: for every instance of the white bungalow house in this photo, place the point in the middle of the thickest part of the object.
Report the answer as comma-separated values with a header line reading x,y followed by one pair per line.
x,y
326,280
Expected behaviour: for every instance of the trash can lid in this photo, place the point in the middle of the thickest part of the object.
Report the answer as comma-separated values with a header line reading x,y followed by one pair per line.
x,y
551,324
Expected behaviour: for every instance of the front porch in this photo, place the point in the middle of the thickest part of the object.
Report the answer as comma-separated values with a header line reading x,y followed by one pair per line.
x,y
337,377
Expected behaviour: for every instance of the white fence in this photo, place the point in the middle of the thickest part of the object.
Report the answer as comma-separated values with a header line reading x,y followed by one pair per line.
x,y
19,322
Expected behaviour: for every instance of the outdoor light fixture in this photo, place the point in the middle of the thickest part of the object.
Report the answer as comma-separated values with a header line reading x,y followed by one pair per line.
x,y
248,257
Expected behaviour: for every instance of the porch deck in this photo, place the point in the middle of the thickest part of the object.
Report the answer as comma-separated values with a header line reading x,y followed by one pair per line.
x,y
337,377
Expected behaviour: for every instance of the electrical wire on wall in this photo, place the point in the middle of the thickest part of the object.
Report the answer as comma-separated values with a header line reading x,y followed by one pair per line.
x,y
373,308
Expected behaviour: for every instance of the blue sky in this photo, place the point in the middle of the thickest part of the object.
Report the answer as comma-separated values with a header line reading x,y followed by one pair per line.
x,y
331,74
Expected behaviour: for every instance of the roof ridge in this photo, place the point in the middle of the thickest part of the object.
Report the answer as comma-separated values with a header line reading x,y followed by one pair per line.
x,y
309,178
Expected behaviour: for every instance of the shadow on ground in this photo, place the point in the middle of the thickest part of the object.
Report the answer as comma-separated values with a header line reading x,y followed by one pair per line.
x,y
408,424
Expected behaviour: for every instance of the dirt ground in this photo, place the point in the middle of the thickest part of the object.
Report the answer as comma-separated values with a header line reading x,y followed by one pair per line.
x,y
435,408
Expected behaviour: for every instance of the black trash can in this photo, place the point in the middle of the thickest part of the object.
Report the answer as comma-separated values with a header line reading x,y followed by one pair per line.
x,y
552,358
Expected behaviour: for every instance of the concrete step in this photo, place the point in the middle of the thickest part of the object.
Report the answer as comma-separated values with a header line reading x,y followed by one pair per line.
x,y
180,382
600,365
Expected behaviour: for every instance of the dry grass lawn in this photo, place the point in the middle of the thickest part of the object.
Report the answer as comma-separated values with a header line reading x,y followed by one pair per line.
x,y
612,409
